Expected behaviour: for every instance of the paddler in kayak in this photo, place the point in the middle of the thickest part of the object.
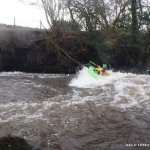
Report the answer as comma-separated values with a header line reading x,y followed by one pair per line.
x,y
98,69
102,70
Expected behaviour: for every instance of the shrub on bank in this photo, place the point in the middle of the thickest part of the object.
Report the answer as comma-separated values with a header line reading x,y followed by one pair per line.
x,y
14,143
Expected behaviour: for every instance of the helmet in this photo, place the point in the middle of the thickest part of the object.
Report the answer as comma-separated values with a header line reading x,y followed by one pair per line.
x,y
105,66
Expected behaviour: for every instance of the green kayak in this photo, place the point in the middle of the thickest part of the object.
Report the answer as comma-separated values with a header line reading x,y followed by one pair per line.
x,y
93,72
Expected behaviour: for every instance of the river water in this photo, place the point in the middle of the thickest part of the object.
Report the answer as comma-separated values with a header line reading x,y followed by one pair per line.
x,y
76,112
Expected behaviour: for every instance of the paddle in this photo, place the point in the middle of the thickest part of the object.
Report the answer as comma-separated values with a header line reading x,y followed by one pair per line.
x,y
93,63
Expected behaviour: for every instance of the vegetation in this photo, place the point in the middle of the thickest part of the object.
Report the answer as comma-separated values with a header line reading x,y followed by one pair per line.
x,y
14,143
116,32
95,15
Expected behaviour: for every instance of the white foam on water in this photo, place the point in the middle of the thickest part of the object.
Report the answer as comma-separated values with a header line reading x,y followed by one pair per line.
x,y
84,80
132,91
25,111
52,75
121,90
129,89
32,75
11,73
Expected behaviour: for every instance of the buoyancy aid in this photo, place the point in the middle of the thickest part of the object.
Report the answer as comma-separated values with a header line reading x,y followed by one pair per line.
x,y
101,70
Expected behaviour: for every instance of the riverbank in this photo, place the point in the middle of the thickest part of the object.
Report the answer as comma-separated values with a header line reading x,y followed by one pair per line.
x,y
33,50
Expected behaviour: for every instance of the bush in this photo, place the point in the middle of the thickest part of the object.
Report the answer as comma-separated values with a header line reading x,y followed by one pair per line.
x,y
14,143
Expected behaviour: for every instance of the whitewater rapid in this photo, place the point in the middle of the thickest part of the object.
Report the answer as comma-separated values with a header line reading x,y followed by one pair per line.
x,y
76,112
128,89
84,80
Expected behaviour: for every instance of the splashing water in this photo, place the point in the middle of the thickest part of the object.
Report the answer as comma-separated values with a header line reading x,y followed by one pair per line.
x,y
125,89
76,112
85,80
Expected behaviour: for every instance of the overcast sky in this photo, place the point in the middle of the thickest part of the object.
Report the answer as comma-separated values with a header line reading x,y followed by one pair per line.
x,y
25,15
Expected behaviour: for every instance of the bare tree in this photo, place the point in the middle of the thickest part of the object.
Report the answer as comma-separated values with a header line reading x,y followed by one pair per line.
x,y
97,14
52,9
94,14
89,13
120,9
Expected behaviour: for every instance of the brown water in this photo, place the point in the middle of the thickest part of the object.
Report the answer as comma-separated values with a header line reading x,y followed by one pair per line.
x,y
54,112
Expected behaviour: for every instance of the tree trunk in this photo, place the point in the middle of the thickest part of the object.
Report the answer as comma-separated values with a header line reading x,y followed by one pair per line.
x,y
134,21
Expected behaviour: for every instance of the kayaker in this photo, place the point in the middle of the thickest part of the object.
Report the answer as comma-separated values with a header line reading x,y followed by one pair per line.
x,y
102,70
98,69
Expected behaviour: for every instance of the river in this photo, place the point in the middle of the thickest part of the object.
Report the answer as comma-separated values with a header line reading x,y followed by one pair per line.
x,y
76,112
